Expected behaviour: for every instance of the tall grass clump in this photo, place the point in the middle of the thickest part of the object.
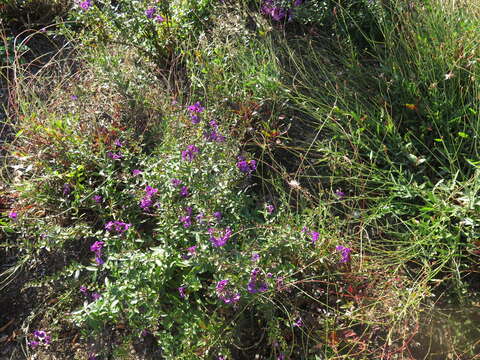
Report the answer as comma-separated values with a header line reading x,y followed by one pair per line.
x,y
394,126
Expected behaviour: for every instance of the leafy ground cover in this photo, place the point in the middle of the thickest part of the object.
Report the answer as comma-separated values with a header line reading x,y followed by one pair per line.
x,y
240,180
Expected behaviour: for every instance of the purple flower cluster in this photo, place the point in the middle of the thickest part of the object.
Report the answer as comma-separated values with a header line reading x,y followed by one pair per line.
x,y
212,134
96,248
190,153
195,110
254,285
40,337
276,11
13,215
222,236
246,167
345,252
97,198
136,172
227,296
147,200
117,226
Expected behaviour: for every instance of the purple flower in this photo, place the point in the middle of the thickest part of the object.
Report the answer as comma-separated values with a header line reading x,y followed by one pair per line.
x,y
195,119
223,236
228,297
298,322
217,215
176,182
13,215
39,334
254,286
83,290
345,252
33,344
85,5
96,296
281,356
67,189
150,190
41,338
74,97
150,12
97,246
315,235
196,108
114,156
340,194
255,257
192,250
279,283
190,153
200,219
221,285
117,226
136,172
159,19
181,291
245,166
184,191
99,260
97,198
118,143
270,209
214,136
186,220
92,356
146,202
276,12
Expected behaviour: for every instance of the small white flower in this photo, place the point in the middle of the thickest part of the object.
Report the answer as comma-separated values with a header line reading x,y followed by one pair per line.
x,y
294,184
